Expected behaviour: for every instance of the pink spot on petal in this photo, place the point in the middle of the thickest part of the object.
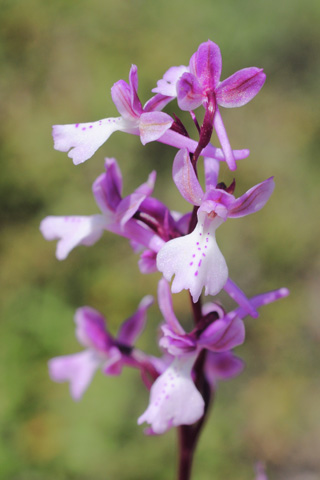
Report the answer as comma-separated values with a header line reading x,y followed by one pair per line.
x,y
198,243
191,263
77,125
199,264
196,273
83,128
91,126
193,255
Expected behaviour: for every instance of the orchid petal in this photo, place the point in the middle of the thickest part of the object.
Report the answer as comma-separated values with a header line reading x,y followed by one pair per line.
x,y
177,344
195,260
91,329
223,334
147,262
114,364
121,94
72,231
130,204
185,178
133,326
156,103
78,369
133,81
189,92
167,85
240,88
222,366
253,200
206,64
84,139
166,307
153,125
174,399
107,188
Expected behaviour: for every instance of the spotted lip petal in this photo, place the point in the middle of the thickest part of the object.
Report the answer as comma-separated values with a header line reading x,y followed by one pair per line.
x,y
78,369
174,399
72,231
195,260
84,139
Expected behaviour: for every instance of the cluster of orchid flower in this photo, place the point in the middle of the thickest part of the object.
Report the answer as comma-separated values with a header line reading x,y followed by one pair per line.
x,y
183,380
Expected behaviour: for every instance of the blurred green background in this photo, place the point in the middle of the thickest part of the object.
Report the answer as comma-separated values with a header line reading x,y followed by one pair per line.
x,y
59,60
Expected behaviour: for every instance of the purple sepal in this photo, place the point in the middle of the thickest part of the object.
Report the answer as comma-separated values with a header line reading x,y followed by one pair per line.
x,y
253,200
133,326
241,87
222,366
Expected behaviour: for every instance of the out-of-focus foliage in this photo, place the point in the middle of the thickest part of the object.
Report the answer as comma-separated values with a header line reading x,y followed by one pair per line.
x,y
58,61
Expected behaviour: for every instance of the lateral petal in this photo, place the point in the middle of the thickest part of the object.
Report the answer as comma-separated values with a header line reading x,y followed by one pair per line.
x,y
152,125
185,178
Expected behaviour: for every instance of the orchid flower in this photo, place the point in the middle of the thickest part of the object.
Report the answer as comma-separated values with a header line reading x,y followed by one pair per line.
x,y
174,398
116,215
199,84
195,259
102,350
82,140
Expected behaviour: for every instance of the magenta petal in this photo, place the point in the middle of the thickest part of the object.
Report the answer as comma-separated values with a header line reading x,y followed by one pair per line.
x,y
84,139
222,366
147,262
206,64
167,85
189,92
240,88
130,204
153,125
121,96
91,329
253,200
133,81
107,188
156,103
223,334
174,399
166,307
133,326
78,369
72,231
185,178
